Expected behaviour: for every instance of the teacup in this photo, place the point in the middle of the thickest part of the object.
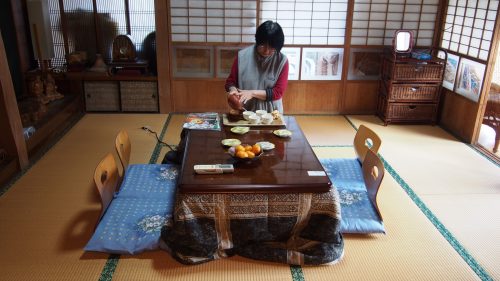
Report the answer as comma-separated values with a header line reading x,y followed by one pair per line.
x,y
267,119
247,114
261,112
254,119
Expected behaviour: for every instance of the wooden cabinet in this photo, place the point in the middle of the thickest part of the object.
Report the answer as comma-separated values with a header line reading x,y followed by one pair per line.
x,y
117,93
409,89
121,96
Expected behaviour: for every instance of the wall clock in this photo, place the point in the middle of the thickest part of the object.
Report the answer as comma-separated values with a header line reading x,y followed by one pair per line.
x,y
123,49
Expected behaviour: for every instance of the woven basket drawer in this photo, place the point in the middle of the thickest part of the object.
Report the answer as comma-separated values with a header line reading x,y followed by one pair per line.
x,y
101,96
414,72
413,112
139,96
413,92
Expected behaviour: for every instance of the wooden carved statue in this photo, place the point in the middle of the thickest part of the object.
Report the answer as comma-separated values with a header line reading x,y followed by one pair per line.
x,y
51,92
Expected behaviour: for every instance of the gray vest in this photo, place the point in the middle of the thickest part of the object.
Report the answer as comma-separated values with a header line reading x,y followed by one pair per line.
x,y
258,73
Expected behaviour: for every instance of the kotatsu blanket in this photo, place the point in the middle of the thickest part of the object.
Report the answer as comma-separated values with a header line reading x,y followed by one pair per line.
x,y
292,228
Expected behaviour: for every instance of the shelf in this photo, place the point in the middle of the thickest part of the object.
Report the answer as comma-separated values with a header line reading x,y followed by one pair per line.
x,y
59,116
93,76
8,168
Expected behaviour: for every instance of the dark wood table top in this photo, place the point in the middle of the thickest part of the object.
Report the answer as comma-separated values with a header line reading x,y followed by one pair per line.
x,y
286,168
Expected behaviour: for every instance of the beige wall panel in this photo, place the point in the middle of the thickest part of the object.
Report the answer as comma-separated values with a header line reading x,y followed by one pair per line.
x,y
361,98
199,96
312,97
458,115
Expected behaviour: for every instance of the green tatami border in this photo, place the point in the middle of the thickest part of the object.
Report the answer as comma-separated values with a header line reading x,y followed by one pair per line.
x,y
468,258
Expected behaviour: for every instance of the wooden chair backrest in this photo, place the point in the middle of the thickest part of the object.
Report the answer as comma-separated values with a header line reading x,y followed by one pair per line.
x,y
361,140
123,148
106,179
373,173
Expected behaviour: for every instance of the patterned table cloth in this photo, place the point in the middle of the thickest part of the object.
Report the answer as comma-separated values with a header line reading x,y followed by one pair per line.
x,y
292,228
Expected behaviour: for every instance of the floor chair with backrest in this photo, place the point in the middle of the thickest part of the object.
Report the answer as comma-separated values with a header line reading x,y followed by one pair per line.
x,y
106,179
141,207
358,181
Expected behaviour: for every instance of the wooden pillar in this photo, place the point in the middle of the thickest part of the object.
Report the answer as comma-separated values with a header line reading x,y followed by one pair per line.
x,y
163,55
10,120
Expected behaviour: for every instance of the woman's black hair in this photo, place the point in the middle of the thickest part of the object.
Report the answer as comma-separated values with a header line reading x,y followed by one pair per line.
x,y
270,33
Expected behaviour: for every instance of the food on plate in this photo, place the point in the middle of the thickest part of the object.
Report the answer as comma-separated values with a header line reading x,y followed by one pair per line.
x,y
245,151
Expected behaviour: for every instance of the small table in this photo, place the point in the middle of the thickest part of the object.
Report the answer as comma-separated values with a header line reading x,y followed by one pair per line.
x,y
291,166
271,209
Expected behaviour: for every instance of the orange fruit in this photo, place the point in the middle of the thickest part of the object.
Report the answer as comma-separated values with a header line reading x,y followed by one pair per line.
x,y
256,149
241,154
250,154
248,147
239,147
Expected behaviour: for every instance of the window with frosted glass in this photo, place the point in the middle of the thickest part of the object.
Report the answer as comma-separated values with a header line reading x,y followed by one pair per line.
x,y
468,27
213,21
318,22
375,21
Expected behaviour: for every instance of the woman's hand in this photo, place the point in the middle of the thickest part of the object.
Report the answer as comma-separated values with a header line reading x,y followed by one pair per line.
x,y
245,95
233,91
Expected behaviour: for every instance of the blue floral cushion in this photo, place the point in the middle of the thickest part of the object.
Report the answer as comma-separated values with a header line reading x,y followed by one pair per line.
x,y
345,172
133,221
357,211
149,180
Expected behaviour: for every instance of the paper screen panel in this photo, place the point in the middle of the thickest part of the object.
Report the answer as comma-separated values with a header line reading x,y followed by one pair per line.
x,y
468,27
213,21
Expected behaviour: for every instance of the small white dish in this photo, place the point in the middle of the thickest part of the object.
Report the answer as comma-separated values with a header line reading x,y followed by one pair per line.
x,y
267,119
265,145
254,119
230,142
240,130
247,114
283,133
261,112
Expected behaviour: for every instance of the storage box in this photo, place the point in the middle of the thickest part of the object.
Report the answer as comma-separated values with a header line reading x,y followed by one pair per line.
x,y
411,92
101,96
139,96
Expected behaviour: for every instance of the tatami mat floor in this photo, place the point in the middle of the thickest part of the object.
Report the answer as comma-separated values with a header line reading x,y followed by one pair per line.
x,y
48,215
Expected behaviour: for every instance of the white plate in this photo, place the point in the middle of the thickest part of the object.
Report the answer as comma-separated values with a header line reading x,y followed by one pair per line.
x,y
230,142
265,145
240,130
282,133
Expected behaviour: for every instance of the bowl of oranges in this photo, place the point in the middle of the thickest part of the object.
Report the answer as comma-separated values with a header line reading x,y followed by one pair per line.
x,y
245,152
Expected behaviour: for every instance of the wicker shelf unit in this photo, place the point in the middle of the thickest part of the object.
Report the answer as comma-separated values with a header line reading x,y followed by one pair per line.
x,y
409,89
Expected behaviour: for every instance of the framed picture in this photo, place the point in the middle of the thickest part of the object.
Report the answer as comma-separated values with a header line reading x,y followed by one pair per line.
x,y
225,59
293,55
191,61
450,72
470,79
364,64
321,64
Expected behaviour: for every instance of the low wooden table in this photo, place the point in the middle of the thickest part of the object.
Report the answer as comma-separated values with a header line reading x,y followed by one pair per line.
x,y
291,166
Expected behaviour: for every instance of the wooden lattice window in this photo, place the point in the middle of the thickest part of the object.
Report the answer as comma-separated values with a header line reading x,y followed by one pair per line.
x,y
213,21
469,26
306,22
374,22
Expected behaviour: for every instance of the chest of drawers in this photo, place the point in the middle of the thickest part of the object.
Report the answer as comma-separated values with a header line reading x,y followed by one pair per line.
x,y
409,90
